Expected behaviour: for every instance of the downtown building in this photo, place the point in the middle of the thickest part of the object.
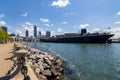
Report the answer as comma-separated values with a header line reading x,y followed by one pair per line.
x,y
27,33
35,31
48,33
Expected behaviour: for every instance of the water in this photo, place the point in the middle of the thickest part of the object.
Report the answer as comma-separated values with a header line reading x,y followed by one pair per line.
x,y
86,61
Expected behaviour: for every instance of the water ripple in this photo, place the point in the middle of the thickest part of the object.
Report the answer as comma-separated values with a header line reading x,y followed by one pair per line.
x,y
86,61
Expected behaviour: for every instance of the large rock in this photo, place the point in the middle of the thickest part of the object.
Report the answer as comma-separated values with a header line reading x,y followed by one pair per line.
x,y
55,73
50,57
41,68
41,56
58,61
35,66
40,62
47,61
46,66
37,70
32,56
46,72
42,77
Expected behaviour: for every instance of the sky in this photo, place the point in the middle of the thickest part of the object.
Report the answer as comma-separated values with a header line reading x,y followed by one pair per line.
x,y
59,16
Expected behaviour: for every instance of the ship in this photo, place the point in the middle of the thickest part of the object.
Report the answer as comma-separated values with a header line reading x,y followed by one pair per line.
x,y
82,37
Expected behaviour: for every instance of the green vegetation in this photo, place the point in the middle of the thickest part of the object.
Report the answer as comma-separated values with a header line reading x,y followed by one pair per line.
x,y
4,37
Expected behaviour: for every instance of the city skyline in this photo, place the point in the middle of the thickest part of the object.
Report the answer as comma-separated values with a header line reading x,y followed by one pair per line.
x,y
59,16
37,33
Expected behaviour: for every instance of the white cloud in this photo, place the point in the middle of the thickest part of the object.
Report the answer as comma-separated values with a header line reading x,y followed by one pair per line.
x,y
64,22
60,3
27,26
47,24
2,16
25,14
67,32
115,31
2,23
118,22
30,27
9,32
51,25
59,30
96,30
53,33
81,26
118,13
28,23
84,25
44,20
43,31
19,32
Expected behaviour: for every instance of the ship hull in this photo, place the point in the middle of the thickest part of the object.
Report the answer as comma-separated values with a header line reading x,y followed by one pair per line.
x,y
80,39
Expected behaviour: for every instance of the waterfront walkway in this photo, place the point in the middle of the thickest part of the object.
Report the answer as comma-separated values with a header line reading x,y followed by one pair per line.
x,y
6,64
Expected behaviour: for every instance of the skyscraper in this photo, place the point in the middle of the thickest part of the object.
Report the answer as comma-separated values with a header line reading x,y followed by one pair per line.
x,y
48,34
4,28
35,31
27,33
39,33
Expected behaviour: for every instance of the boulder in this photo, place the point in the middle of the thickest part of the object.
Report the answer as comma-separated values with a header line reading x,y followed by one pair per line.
x,y
32,56
37,70
40,62
47,61
46,66
33,61
55,73
42,77
41,68
36,65
57,78
58,61
61,69
46,72
54,62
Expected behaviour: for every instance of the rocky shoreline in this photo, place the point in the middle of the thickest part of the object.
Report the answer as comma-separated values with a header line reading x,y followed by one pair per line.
x,y
45,65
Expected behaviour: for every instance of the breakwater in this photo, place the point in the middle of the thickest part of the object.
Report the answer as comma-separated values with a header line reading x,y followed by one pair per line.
x,y
45,65
86,61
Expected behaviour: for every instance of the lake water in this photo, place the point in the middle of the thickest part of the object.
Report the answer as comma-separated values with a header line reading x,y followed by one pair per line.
x,y
86,61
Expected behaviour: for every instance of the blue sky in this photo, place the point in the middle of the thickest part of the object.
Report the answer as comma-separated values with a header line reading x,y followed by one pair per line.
x,y
59,16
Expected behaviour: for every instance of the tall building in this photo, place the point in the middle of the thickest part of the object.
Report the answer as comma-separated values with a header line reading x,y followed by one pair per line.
x,y
35,31
4,28
27,33
39,33
48,34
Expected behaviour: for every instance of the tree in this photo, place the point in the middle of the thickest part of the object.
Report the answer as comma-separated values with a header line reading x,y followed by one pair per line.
x,y
4,37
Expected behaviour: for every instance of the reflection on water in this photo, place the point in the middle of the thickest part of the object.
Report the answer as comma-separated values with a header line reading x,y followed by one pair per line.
x,y
86,61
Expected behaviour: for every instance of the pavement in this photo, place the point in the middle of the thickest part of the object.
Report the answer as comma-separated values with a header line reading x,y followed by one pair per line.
x,y
6,64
